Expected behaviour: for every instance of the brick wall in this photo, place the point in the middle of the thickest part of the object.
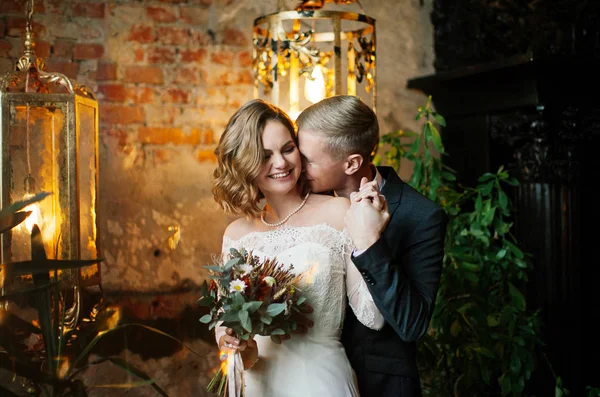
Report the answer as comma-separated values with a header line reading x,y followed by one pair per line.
x,y
168,74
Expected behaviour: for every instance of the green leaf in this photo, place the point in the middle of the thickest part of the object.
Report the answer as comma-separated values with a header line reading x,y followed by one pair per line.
x,y
493,320
206,319
301,300
9,221
252,306
439,119
45,266
512,181
455,328
266,319
502,199
130,368
275,308
486,189
206,301
515,363
278,331
488,215
231,263
517,297
213,268
501,254
484,351
437,139
416,145
245,320
505,384
19,205
514,249
230,315
471,267
238,299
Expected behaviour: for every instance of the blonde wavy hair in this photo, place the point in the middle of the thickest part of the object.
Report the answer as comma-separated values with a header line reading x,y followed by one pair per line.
x,y
240,157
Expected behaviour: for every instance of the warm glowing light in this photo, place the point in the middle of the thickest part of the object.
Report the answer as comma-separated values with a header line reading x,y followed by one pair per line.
x,y
294,114
309,275
314,87
35,218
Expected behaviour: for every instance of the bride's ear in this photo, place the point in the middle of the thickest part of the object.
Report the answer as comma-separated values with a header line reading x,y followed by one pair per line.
x,y
353,163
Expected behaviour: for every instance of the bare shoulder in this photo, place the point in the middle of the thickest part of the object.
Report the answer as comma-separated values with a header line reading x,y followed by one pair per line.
x,y
331,209
239,228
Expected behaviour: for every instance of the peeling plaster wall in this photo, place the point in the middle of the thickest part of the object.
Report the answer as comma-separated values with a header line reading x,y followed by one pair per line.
x,y
168,75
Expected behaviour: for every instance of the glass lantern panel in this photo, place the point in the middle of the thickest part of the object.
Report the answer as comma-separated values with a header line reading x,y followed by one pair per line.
x,y
36,136
87,179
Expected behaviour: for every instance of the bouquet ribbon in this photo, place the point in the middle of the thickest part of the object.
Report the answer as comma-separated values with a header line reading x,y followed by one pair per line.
x,y
235,375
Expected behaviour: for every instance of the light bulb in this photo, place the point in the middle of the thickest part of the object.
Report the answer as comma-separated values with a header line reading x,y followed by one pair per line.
x,y
314,87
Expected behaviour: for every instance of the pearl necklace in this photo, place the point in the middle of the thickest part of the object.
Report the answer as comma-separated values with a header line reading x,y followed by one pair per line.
x,y
284,220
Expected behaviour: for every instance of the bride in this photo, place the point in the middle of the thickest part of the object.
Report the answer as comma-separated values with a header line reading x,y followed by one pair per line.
x,y
258,158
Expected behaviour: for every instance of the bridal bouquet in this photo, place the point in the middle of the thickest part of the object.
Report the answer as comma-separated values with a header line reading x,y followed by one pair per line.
x,y
252,297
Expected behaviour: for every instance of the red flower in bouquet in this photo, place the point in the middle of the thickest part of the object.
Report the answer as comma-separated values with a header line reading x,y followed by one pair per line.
x,y
251,296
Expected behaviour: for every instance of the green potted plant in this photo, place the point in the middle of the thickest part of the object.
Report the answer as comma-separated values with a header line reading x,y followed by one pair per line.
x,y
483,339
49,355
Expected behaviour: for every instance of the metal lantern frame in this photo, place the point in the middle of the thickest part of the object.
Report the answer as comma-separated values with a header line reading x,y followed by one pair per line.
x,y
61,121
294,53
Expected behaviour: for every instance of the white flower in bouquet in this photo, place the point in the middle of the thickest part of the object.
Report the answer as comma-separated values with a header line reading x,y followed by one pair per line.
x,y
237,286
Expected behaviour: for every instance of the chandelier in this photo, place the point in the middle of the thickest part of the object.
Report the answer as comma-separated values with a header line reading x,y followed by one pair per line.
x,y
304,55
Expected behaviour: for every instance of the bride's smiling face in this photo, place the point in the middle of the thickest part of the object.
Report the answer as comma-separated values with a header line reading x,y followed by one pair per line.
x,y
282,164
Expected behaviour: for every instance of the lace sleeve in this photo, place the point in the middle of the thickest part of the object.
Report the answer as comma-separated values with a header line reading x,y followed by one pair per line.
x,y
359,297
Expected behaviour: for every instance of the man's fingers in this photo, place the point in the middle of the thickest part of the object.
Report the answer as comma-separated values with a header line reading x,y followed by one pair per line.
x,y
363,181
367,194
369,185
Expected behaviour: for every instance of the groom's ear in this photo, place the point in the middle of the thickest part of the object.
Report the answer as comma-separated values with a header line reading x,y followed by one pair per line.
x,y
353,163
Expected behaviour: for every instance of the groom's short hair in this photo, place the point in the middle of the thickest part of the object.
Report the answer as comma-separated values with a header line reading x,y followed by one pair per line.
x,y
348,125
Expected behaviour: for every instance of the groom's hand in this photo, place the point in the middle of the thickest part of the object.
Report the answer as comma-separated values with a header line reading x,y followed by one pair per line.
x,y
367,217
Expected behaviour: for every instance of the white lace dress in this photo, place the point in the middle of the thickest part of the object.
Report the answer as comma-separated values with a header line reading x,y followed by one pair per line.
x,y
312,364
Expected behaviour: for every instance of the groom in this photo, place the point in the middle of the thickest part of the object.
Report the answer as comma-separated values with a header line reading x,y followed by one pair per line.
x,y
399,255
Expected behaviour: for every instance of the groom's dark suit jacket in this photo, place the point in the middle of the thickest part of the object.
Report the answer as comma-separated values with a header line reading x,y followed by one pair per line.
x,y
402,271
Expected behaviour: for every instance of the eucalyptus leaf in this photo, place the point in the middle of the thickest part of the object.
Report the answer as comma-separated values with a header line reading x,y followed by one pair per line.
x,y
206,319
276,308
245,320
266,319
217,269
206,301
252,306
278,331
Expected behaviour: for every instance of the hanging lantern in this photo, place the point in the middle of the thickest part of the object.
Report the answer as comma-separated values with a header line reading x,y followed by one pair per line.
x,y
313,51
49,135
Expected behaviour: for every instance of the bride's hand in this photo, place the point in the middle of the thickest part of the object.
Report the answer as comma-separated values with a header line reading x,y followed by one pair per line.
x,y
247,349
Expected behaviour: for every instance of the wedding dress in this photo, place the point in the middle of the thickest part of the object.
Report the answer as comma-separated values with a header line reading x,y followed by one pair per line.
x,y
312,364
